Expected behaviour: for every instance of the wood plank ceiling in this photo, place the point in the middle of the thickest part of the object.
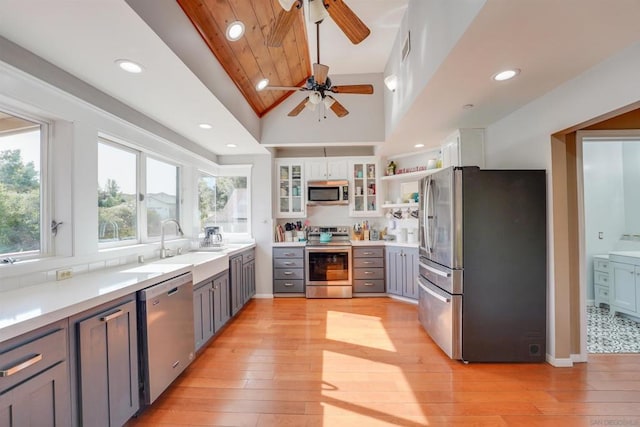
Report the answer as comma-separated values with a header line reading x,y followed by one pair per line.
x,y
249,60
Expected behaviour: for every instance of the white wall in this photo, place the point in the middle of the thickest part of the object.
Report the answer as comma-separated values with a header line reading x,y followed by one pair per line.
x,y
522,139
631,167
604,200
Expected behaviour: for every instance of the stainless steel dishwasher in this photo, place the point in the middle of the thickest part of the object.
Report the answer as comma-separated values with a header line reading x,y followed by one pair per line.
x,y
167,337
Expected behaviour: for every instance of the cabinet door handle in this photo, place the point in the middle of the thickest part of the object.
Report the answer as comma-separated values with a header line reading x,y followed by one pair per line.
x,y
368,272
288,254
367,253
112,316
20,366
288,263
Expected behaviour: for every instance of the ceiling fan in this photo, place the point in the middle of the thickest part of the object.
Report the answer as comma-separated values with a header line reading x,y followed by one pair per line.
x,y
320,86
342,15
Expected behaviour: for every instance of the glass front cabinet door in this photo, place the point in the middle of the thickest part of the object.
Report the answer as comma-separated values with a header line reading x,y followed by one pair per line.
x,y
365,187
290,191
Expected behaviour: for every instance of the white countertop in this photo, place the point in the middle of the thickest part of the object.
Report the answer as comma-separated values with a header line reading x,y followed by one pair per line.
x,y
628,257
31,307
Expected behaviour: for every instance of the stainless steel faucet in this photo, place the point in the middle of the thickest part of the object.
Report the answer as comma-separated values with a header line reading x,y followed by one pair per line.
x,y
164,252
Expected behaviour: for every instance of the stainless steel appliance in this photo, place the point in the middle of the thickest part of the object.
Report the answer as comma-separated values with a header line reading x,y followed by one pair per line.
x,y
328,263
328,192
483,273
167,334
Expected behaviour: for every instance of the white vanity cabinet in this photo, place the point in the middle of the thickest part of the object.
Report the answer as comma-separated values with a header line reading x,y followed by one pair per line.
x,y
601,279
624,292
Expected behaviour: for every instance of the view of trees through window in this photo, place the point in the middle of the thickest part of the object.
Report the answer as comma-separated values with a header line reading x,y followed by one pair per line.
x,y
117,189
20,143
224,201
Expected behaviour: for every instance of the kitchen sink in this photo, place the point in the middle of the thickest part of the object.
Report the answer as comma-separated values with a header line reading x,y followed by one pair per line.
x,y
205,264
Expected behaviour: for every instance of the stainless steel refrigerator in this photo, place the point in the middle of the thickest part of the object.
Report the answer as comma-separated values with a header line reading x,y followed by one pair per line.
x,y
483,263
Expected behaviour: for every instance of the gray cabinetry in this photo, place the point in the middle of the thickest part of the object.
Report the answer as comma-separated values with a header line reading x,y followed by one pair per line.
x,y
288,270
203,312
242,279
210,307
402,270
601,280
368,269
107,364
34,384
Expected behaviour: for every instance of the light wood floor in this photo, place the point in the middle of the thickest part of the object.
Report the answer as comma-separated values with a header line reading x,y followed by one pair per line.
x,y
367,362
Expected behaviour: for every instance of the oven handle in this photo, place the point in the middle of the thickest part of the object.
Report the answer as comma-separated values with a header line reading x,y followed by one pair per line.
x,y
329,249
432,293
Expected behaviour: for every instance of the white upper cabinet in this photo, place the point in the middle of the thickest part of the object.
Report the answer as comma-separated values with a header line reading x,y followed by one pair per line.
x,y
290,189
326,169
465,147
364,185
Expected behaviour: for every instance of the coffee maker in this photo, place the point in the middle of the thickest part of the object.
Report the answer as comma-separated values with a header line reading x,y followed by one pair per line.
x,y
212,236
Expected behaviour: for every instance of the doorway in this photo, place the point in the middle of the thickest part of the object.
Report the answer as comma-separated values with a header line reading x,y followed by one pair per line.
x,y
608,181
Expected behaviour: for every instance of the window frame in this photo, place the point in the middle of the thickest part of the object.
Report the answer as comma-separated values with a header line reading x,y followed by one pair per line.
x,y
142,155
47,246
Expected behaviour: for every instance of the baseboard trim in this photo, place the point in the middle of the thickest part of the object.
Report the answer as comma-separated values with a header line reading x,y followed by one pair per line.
x,y
263,296
560,363
579,358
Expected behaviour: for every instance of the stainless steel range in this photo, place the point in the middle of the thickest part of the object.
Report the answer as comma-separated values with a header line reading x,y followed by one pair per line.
x,y
328,262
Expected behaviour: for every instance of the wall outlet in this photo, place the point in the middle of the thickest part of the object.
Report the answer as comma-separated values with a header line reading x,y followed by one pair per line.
x,y
64,274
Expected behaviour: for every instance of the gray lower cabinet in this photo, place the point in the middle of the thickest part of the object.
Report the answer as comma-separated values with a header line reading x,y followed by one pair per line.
x,y
368,269
242,279
402,270
34,385
288,270
210,307
107,364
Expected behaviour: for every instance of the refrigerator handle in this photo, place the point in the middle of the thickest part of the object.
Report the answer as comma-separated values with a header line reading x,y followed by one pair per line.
x,y
433,294
434,270
427,206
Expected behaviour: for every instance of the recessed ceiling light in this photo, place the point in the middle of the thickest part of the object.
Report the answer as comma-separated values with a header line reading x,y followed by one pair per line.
x,y
205,126
235,30
506,75
231,145
129,66
262,84
419,145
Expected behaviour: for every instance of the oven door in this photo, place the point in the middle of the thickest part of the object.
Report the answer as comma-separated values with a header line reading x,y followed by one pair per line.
x,y
328,265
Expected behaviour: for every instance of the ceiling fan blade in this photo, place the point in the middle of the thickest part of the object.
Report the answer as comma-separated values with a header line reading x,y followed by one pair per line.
x,y
356,89
337,108
298,108
287,88
284,22
320,73
347,20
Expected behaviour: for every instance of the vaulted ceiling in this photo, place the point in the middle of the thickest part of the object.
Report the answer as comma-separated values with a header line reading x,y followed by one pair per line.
x,y
250,59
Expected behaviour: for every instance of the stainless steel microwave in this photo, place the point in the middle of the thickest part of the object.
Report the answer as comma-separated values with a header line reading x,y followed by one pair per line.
x,y
328,192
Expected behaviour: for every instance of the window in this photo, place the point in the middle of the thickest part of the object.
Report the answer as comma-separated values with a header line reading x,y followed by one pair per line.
x,y
117,190
162,194
122,214
21,194
224,202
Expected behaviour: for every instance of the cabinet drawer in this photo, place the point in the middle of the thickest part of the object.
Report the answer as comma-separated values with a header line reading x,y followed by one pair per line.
x,y
288,252
368,262
288,263
288,273
368,273
601,265
600,278
602,294
280,286
21,360
249,255
368,252
373,285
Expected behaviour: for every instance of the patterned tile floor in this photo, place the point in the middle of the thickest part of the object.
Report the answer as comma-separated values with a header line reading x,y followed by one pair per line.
x,y
606,334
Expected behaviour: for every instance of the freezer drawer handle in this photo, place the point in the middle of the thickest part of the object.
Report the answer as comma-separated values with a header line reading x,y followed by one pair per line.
x,y
20,366
288,284
433,294
112,316
435,270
